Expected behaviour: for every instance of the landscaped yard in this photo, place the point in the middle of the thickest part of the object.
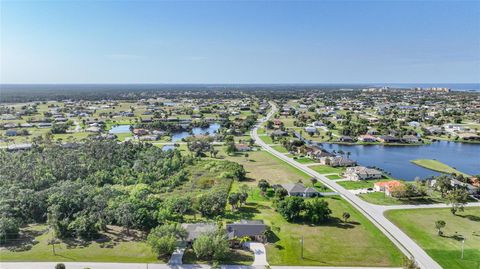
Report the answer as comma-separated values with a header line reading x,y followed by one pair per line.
x,y
419,224
325,169
236,256
356,243
437,166
114,245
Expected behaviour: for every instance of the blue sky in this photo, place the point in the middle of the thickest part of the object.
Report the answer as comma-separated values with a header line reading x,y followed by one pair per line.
x,y
240,42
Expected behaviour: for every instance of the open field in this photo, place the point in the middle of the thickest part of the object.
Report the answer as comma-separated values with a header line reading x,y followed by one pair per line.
x,y
419,224
280,149
380,198
114,245
437,166
263,165
304,160
325,169
360,184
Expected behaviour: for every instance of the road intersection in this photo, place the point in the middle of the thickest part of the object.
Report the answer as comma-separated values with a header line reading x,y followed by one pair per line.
x,y
373,212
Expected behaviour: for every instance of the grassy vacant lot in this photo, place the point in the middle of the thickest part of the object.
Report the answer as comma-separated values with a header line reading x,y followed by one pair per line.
x,y
419,224
361,184
381,198
267,139
114,245
356,243
437,166
325,169
280,149
304,160
263,165
334,177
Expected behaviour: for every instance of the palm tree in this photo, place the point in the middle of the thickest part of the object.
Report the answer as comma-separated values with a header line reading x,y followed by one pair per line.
x,y
439,225
345,216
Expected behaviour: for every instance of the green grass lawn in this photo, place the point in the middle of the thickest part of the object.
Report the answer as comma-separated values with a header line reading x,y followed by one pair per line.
x,y
236,256
333,177
280,149
324,245
267,139
325,169
263,165
304,160
361,184
117,247
380,198
261,130
437,166
419,224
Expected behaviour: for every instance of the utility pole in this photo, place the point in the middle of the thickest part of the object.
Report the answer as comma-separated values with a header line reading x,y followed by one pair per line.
x,y
301,247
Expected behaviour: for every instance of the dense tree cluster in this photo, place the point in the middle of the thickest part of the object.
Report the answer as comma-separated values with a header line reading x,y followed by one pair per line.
x,y
314,210
80,190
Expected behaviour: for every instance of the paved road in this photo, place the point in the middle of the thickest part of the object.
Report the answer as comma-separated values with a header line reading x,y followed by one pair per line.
x,y
373,213
393,207
177,256
259,252
100,265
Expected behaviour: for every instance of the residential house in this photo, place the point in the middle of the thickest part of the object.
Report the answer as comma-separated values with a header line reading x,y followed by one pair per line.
x,y
310,129
194,230
298,189
242,147
149,137
362,173
139,132
255,229
471,189
469,136
387,186
346,139
367,138
279,133
410,139
337,161
388,139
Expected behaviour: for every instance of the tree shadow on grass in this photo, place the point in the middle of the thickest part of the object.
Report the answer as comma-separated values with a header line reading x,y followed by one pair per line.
x,y
244,212
332,222
24,242
470,217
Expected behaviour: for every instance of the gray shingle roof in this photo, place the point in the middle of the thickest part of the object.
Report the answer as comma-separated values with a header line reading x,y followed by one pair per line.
x,y
245,228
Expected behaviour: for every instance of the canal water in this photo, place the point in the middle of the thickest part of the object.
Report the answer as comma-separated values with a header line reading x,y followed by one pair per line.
x,y
396,159
120,129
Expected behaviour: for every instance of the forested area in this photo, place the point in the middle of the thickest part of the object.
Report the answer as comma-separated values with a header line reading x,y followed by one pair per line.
x,y
80,190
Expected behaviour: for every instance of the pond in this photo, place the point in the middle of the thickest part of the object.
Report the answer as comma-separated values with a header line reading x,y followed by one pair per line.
x,y
120,129
211,130
396,159
168,147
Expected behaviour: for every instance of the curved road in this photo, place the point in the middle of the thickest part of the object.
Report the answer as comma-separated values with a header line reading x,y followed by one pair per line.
x,y
372,212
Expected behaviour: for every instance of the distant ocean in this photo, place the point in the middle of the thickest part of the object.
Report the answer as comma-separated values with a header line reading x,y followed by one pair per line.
x,y
475,87
79,87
